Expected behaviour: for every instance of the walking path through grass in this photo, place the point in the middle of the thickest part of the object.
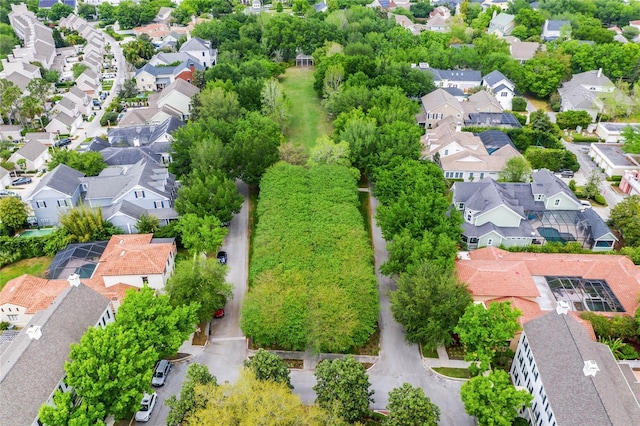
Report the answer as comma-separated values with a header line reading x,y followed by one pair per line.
x,y
308,119
34,266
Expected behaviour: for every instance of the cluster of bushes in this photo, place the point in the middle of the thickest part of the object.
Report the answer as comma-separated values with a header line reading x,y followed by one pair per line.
x,y
312,281
615,331
15,249
573,247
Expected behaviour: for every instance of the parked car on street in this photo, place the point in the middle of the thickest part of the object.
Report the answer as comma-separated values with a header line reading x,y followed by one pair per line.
x,y
62,142
222,257
219,313
160,373
566,173
21,181
5,194
146,407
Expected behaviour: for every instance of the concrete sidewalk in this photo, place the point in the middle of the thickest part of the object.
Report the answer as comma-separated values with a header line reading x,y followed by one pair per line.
x,y
443,360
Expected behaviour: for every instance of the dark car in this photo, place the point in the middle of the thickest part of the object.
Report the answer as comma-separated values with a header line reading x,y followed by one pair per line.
x,y
63,142
566,173
22,181
222,257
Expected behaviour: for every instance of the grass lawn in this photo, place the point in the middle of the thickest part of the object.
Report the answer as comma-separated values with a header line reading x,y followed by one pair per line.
x,y
34,266
539,103
308,119
428,352
458,373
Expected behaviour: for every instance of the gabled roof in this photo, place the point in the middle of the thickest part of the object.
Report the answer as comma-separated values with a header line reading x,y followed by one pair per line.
x,y
134,254
64,118
63,179
195,44
480,100
560,347
67,103
125,208
31,369
555,25
179,86
31,150
438,98
494,77
97,144
3,172
456,75
502,19
118,156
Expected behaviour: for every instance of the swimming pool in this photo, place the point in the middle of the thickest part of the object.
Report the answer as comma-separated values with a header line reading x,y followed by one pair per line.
x,y
36,232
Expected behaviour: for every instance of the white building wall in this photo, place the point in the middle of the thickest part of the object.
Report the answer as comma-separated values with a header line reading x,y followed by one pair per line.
x,y
155,281
14,314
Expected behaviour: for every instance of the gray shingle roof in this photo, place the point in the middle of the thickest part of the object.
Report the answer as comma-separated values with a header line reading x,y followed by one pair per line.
x,y
117,156
494,77
554,25
146,135
63,179
456,75
560,345
196,43
31,369
32,150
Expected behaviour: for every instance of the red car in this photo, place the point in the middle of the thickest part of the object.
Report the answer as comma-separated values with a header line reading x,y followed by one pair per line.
x,y
219,313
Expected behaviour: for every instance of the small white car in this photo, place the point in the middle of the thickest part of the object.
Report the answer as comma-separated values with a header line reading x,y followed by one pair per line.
x,y
146,407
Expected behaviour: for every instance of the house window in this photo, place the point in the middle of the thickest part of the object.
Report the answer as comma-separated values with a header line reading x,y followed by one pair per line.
x,y
203,54
158,204
503,94
490,241
556,202
108,314
12,317
446,152
468,218
64,203
481,175
145,280
138,194
41,204
461,206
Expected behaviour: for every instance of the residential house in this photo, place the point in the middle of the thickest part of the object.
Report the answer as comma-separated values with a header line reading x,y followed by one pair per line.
x,y
164,14
67,106
63,124
19,72
33,364
200,50
45,138
321,7
156,139
57,192
501,87
151,190
436,106
89,82
80,99
481,101
502,24
612,159
463,155
151,79
174,101
612,132
440,10
537,282
522,51
520,214
573,380
10,132
502,4
38,38
630,183
438,22
137,260
169,58
463,79
34,153
587,92
492,119
553,29
407,23
5,178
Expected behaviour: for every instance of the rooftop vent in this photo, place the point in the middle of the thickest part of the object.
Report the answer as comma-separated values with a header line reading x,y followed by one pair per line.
x,y
34,332
74,280
590,368
562,308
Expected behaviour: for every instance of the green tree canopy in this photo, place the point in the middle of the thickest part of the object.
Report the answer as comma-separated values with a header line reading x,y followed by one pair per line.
x,y
84,224
65,412
269,366
631,140
493,399
343,388
516,169
409,406
90,163
200,282
484,331
197,374
147,224
201,234
209,193
429,303
13,214
625,217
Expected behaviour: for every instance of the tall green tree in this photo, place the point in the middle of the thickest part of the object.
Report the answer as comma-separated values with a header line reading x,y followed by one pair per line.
x,y
13,214
484,331
269,366
187,404
86,224
625,217
90,163
201,282
209,192
147,224
429,303
493,399
343,387
9,97
66,412
275,104
409,406
325,151
631,140
516,169
111,368
158,323
592,187
201,234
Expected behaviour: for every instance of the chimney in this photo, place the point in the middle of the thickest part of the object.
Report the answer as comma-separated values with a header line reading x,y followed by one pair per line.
x,y
599,73
34,332
590,368
192,66
458,127
562,308
74,280
136,141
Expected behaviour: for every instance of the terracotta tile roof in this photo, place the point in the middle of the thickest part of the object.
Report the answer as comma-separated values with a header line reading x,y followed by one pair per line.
x,y
497,279
31,292
622,276
530,310
134,255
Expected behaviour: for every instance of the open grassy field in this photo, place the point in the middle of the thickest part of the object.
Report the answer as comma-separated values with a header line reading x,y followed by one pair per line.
x,y
308,119
34,266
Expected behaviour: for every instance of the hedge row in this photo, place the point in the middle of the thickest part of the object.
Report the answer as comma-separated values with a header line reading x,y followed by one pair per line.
x,y
312,282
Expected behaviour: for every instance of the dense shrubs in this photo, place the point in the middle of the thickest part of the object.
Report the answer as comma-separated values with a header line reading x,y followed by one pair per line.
x,y
15,249
312,280
518,104
622,327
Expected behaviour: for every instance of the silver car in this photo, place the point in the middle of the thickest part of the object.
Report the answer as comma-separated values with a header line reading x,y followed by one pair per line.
x,y
146,407
160,373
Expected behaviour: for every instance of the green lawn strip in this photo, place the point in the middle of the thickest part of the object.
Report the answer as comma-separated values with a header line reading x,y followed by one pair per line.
x,y
34,266
308,119
428,352
458,373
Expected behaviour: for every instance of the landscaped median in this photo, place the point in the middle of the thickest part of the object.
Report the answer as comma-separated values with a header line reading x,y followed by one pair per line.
x,y
312,282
